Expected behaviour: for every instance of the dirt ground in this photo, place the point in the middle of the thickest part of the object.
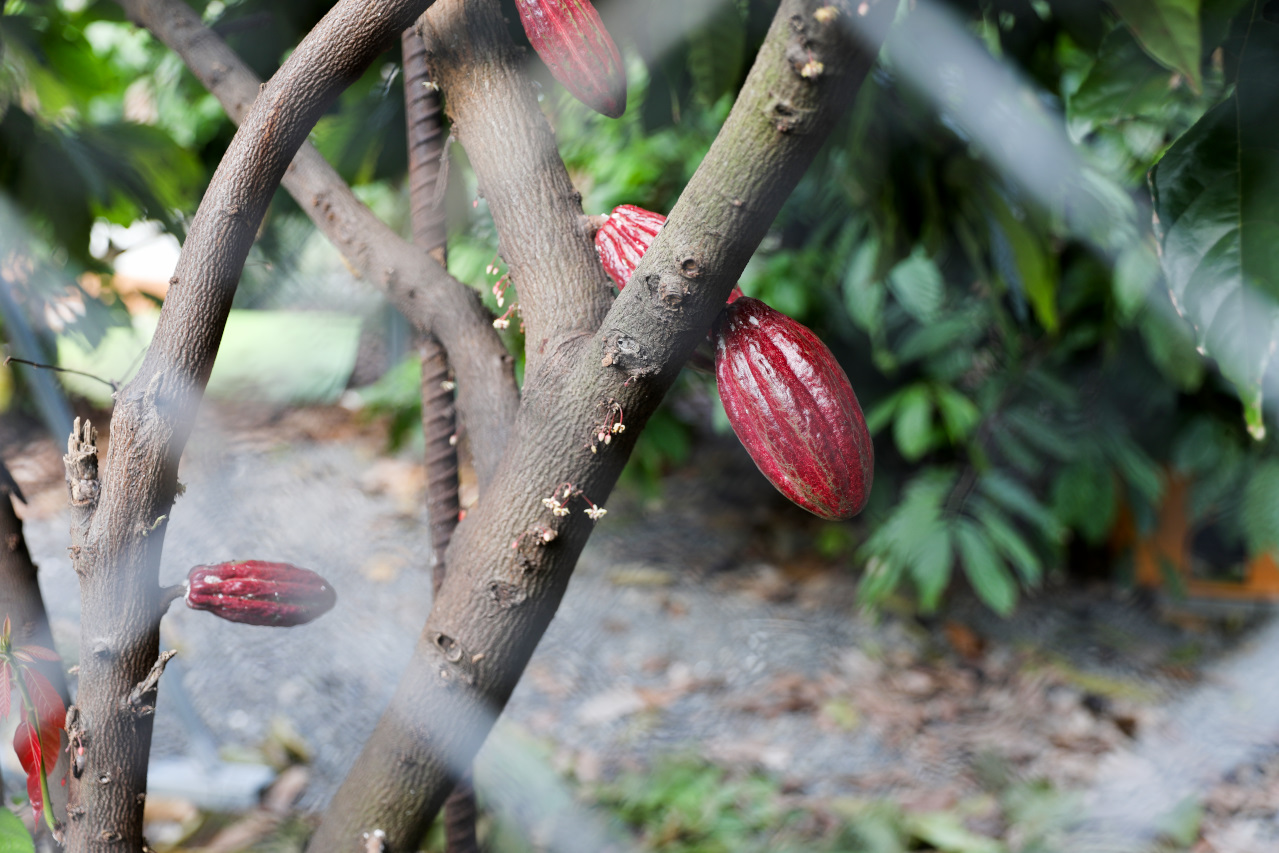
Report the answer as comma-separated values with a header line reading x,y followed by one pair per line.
x,y
700,622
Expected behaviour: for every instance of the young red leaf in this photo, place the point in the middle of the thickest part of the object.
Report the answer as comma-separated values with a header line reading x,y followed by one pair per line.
x,y
51,713
27,746
40,652
33,794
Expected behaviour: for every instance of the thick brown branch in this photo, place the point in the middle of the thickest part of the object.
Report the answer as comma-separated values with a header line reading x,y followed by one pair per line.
x,y
510,561
118,561
562,288
414,281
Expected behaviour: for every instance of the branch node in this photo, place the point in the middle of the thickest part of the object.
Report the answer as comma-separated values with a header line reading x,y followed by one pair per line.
x,y
625,353
170,594
141,700
81,464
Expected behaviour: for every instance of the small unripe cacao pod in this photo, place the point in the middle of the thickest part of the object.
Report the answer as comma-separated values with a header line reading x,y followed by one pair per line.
x,y
624,238
572,41
793,408
259,593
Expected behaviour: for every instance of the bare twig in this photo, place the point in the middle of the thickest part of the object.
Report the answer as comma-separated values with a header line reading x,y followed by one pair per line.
x,y
112,385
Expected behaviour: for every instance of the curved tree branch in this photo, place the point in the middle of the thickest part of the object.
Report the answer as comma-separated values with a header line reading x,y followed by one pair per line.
x,y
563,290
120,541
414,281
511,559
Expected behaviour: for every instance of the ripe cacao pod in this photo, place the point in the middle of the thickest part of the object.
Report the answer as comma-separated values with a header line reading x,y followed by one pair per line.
x,y
624,238
259,593
793,408
572,41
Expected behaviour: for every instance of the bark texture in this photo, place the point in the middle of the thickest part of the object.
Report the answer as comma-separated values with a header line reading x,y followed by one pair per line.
x,y
119,519
411,279
510,560
563,290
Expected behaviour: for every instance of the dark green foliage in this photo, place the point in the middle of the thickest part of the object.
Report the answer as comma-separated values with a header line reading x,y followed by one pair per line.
x,y
978,251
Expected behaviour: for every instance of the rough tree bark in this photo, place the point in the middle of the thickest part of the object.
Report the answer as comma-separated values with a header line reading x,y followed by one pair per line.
x,y
510,560
118,521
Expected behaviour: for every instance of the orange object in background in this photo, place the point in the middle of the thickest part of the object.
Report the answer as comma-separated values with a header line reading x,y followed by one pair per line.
x,y
1169,547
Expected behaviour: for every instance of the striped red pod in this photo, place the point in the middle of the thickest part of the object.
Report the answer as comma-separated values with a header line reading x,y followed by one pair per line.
x,y
572,41
624,238
793,408
257,592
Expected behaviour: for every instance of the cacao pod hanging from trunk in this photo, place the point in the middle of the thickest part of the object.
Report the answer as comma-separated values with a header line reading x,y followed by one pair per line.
x,y
624,238
793,408
572,41
259,593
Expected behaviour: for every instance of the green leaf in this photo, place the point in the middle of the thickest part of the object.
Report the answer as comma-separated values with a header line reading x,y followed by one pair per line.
x,y
881,414
1084,498
1261,508
1169,31
958,413
1123,83
863,295
985,571
14,837
917,284
716,52
1015,498
1009,542
1136,271
929,564
1031,271
1216,194
913,426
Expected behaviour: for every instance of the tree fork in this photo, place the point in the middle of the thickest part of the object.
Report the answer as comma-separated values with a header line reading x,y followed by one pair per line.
x,y
412,280
510,560
121,531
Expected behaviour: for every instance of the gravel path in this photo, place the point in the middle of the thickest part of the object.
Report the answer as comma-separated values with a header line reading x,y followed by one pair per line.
x,y
702,625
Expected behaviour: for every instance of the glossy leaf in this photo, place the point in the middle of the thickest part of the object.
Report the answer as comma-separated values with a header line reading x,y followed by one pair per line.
x,y
49,710
1169,31
27,746
1217,198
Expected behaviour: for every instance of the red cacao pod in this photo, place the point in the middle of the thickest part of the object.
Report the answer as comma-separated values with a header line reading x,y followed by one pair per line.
x,y
793,408
572,41
624,238
259,593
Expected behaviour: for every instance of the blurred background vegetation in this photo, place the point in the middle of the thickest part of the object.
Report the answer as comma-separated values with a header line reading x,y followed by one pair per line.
x,y
983,257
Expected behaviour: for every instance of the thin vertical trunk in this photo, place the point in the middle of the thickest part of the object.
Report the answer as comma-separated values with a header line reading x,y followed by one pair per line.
x,y
439,417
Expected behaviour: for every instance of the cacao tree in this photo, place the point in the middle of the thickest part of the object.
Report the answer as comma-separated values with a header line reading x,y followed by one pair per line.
x,y
981,260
